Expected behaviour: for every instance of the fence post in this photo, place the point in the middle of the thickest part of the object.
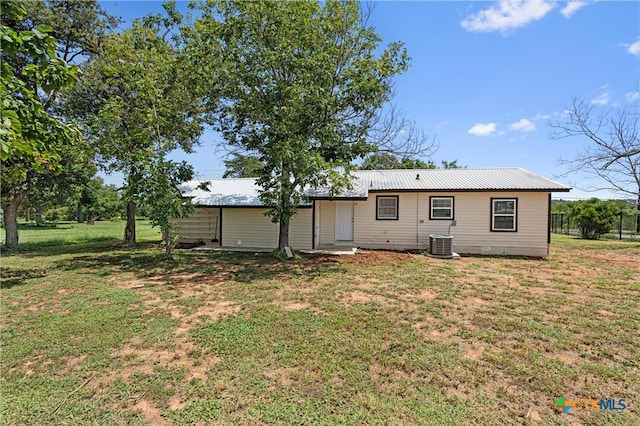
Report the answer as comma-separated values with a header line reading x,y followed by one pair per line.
x,y
620,226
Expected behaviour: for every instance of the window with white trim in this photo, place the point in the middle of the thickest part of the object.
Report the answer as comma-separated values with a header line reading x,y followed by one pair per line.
x,y
387,208
504,214
441,208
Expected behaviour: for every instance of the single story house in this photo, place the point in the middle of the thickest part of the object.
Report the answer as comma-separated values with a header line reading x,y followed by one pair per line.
x,y
500,211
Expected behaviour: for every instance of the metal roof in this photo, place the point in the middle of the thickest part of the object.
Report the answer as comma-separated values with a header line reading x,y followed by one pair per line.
x,y
244,192
223,193
498,179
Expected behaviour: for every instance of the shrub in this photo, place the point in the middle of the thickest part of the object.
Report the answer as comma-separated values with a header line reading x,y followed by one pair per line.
x,y
594,217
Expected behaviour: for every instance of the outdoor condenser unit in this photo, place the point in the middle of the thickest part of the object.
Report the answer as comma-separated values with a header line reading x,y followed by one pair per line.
x,y
441,245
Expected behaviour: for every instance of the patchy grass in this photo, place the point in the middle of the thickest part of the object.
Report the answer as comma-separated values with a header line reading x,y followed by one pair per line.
x,y
104,334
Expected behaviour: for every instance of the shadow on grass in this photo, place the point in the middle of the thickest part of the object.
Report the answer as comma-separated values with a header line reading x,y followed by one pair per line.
x,y
147,262
62,246
12,277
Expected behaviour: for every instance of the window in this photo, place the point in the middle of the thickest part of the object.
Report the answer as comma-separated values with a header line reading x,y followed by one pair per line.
x,y
387,208
504,214
441,208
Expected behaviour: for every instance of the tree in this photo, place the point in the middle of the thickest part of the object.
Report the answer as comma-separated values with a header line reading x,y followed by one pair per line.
x,y
301,86
32,138
242,166
50,189
385,161
595,217
164,199
614,153
73,30
138,108
96,201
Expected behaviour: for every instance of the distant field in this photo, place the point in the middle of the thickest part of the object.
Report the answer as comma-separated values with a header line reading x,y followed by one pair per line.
x,y
65,233
96,333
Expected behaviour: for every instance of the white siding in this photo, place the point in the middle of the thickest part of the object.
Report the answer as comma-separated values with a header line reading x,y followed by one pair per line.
x,y
326,225
199,226
249,226
300,230
370,232
471,235
255,230
473,231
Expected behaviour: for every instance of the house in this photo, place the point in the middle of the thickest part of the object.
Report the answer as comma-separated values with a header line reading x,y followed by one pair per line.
x,y
499,211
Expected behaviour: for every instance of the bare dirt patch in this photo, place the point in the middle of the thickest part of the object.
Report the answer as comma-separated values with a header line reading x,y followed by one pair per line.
x,y
362,297
150,412
495,311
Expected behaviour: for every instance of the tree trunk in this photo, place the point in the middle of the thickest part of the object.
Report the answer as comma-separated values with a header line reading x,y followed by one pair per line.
x,y
39,214
283,239
130,228
168,252
79,212
28,214
11,220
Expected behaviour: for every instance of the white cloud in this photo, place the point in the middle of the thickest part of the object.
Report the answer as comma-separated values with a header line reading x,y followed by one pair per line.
x,y
632,97
507,15
483,129
539,117
603,99
634,48
572,7
523,125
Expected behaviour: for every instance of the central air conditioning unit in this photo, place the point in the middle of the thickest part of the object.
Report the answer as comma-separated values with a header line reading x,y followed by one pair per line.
x,y
441,245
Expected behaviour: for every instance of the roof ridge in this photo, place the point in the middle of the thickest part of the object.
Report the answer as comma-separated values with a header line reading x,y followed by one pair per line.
x,y
440,170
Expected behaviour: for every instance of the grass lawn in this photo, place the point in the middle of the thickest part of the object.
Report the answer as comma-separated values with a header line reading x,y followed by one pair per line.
x,y
96,333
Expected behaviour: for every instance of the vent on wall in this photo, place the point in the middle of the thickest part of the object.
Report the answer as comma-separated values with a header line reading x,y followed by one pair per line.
x,y
441,245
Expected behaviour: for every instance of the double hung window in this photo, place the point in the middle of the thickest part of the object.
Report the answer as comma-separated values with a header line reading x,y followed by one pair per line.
x,y
504,214
387,207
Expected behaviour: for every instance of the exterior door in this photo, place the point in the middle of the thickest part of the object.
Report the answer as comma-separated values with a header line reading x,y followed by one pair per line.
x,y
344,220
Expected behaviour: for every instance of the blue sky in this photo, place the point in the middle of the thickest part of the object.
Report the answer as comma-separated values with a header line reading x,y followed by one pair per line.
x,y
486,78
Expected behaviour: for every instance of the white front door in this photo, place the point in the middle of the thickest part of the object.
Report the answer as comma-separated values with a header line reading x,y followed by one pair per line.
x,y
344,220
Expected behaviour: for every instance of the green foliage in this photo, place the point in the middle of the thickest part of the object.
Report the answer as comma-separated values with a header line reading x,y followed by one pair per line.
x,y
242,166
34,142
31,138
594,217
386,161
300,86
162,196
102,202
561,206
138,108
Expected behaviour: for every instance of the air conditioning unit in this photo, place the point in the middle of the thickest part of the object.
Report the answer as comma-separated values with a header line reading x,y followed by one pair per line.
x,y
441,245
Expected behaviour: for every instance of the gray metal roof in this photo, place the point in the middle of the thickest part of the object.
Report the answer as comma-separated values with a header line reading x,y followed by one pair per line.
x,y
223,193
499,179
244,192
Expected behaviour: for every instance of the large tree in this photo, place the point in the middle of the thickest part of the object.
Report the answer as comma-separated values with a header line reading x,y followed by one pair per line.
x,y
300,86
137,107
613,152
42,154
32,138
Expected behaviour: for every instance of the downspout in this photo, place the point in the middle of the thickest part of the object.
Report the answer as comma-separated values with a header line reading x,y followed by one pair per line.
x,y
549,224
417,221
313,225
220,216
